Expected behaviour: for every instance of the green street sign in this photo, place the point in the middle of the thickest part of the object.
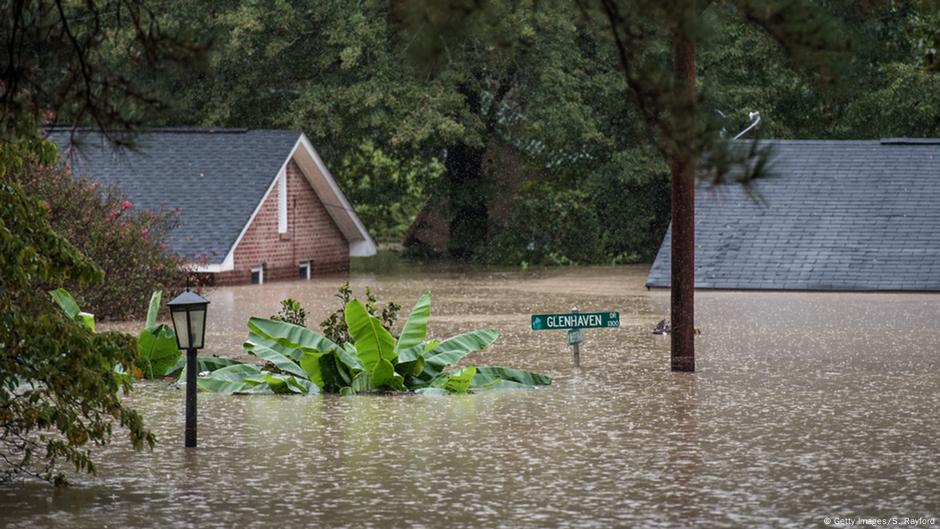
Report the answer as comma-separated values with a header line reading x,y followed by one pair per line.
x,y
575,320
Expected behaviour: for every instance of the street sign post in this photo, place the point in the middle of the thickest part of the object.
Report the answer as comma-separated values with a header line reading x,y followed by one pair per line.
x,y
575,322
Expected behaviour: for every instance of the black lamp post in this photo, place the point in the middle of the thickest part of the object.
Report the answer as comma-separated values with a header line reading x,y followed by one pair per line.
x,y
189,321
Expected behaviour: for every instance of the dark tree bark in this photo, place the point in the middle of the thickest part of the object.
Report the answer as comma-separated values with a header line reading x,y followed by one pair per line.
x,y
463,168
683,212
467,200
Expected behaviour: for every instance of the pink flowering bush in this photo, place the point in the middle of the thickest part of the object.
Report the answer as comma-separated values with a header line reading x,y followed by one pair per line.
x,y
125,241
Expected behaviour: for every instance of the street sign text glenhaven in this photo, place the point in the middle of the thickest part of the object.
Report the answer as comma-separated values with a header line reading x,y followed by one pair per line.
x,y
575,320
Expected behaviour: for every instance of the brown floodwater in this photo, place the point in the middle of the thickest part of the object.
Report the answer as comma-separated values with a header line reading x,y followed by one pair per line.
x,y
805,406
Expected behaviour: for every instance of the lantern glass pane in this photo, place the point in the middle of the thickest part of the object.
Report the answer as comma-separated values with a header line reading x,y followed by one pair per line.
x,y
182,332
197,322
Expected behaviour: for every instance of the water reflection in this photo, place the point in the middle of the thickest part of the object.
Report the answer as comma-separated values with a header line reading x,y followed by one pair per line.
x,y
805,406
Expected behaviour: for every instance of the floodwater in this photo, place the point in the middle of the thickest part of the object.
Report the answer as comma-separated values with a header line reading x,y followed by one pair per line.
x,y
806,407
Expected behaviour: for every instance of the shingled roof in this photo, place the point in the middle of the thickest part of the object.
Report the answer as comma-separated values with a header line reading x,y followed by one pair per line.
x,y
831,215
216,178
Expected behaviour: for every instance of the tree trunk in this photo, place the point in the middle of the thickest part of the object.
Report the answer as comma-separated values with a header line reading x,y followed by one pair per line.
x,y
466,193
683,209
469,217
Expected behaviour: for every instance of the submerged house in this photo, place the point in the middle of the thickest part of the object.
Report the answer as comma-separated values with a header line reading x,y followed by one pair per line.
x,y
830,215
254,205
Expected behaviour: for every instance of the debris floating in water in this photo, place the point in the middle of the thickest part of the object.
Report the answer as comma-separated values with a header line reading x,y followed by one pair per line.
x,y
664,327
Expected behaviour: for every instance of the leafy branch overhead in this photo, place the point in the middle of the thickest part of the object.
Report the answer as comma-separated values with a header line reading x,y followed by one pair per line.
x,y
57,376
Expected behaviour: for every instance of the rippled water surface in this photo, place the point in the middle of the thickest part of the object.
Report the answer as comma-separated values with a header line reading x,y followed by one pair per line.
x,y
805,406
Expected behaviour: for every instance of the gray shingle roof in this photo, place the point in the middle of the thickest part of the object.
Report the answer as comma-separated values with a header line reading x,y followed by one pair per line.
x,y
216,177
833,215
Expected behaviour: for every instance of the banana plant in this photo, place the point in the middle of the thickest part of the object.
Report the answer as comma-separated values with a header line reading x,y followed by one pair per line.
x,y
299,360
69,306
157,352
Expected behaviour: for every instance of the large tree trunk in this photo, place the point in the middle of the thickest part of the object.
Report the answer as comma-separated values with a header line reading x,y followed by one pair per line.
x,y
469,217
683,210
463,168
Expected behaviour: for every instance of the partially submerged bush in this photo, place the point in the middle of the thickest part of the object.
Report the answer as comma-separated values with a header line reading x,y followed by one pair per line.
x,y
291,312
335,328
157,353
299,360
128,244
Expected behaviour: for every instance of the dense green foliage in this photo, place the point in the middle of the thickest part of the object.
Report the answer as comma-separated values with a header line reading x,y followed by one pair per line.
x,y
513,122
58,391
883,84
400,134
82,63
299,360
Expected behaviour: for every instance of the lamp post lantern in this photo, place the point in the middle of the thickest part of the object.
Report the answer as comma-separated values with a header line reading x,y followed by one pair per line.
x,y
189,321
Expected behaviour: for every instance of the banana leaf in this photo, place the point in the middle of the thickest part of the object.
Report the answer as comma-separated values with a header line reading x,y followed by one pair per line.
x,y
411,360
303,386
69,306
154,309
291,336
157,352
416,327
456,382
227,387
454,349
281,384
279,360
291,351
373,341
350,356
486,376
413,368
385,377
203,363
326,370
362,383
418,351
233,379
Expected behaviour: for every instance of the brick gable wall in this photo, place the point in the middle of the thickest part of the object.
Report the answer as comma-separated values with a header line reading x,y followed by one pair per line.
x,y
311,235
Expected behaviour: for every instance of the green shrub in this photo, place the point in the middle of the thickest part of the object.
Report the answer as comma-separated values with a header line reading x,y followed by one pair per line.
x,y
127,243
335,328
291,312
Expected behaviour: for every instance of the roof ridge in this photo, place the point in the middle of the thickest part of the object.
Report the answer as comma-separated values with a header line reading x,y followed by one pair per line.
x,y
910,141
172,130
883,141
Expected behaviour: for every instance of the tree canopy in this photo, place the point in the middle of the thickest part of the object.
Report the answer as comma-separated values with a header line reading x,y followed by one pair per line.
x,y
59,391
60,383
486,114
